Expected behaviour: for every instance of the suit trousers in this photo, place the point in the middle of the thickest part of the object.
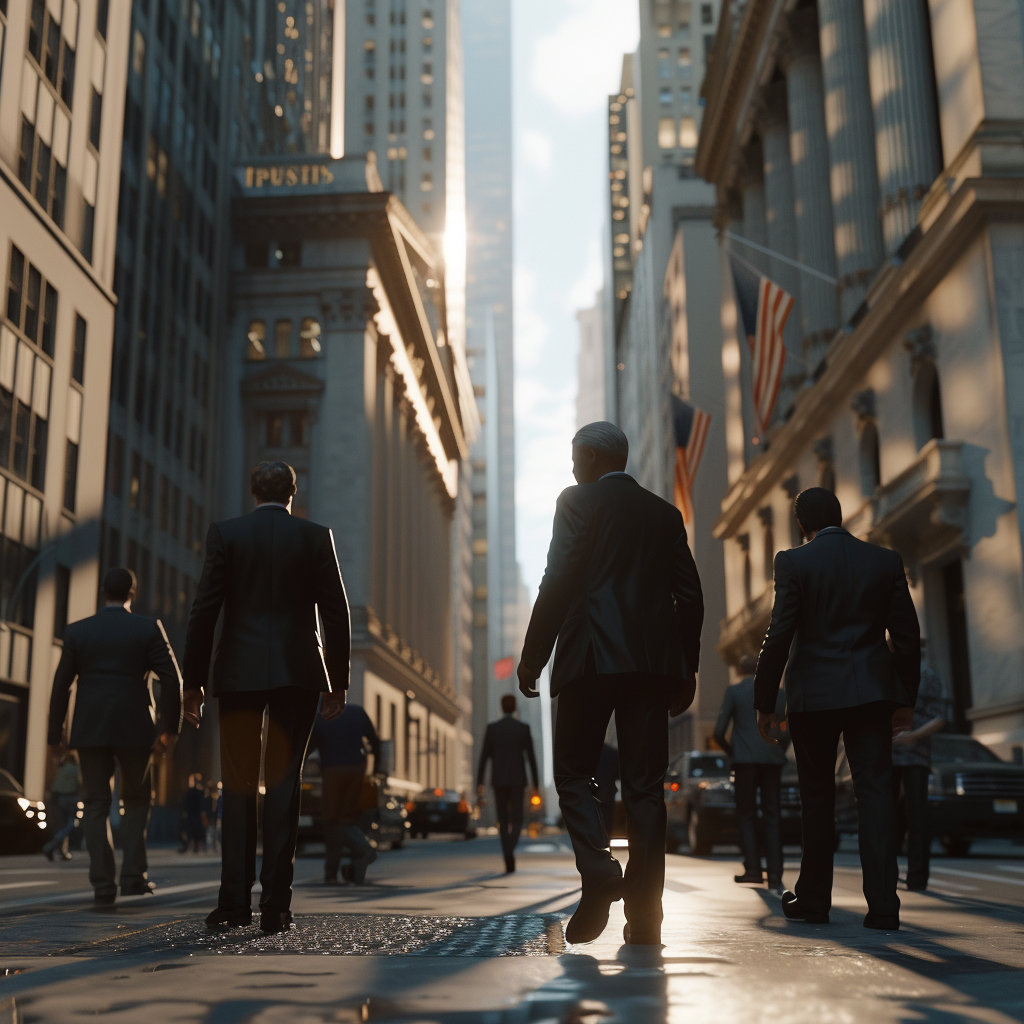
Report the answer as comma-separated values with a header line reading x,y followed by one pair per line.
x,y
867,735
913,780
508,805
768,779
640,706
136,792
290,715
342,790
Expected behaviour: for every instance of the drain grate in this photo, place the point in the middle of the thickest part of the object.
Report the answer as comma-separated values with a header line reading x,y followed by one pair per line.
x,y
348,935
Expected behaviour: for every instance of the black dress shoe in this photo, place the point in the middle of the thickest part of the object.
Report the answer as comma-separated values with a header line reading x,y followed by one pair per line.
x,y
104,899
510,865
221,920
641,936
883,922
748,877
141,889
272,922
592,914
795,911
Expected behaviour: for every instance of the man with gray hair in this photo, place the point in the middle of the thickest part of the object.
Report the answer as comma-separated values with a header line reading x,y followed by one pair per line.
x,y
622,597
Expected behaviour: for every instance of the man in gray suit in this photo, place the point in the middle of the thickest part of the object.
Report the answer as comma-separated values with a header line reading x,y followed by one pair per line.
x,y
112,654
756,766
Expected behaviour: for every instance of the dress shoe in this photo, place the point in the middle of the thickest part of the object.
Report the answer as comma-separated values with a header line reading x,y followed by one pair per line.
x,y
221,920
748,877
510,865
776,886
592,914
883,922
140,889
272,922
649,936
104,899
795,911
329,880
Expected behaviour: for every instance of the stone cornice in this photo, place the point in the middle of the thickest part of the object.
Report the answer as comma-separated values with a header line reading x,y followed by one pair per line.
x,y
898,292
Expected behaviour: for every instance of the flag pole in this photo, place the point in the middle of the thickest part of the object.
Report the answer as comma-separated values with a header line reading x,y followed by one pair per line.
x,y
777,256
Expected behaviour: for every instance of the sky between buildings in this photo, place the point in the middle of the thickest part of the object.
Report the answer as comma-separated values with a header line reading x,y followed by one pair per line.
x,y
566,59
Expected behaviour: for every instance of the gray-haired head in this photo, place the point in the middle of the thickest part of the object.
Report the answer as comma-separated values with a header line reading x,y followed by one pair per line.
x,y
605,438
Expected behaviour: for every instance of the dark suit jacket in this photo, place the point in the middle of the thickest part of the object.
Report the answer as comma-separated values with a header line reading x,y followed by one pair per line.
x,y
746,745
506,742
270,572
620,584
834,600
112,654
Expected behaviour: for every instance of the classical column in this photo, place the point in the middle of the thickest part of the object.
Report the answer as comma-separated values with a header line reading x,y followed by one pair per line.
x,y
780,226
851,147
903,97
808,149
753,224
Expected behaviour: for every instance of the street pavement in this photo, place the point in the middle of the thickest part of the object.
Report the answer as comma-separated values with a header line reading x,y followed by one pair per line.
x,y
443,936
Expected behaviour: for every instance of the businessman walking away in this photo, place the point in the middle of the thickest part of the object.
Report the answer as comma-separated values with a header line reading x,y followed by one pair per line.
x,y
506,743
112,654
270,572
622,596
835,598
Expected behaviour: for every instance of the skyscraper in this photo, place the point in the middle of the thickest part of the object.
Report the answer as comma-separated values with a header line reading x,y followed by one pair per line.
x,y
62,74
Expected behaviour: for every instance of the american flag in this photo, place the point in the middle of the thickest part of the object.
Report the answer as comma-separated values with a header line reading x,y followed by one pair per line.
x,y
691,429
764,308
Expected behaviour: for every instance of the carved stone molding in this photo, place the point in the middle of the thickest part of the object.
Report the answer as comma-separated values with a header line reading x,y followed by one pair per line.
x,y
280,379
864,404
348,308
920,343
824,449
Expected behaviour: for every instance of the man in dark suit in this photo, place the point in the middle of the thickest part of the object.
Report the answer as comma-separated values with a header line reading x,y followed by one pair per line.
x,y
506,743
622,596
757,767
270,573
112,654
835,598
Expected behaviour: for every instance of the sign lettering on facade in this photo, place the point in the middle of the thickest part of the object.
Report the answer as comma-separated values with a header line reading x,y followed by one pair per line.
x,y
288,175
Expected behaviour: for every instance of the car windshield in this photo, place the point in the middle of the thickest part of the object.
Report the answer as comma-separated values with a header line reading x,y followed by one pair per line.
x,y
709,767
961,750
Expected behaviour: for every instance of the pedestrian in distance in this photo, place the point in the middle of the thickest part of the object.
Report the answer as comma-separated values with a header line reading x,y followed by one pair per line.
x,y
112,655
508,745
193,830
622,597
757,768
63,807
343,743
911,765
835,598
270,573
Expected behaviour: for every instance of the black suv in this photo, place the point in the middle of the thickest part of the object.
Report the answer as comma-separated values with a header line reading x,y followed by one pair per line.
x,y
972,794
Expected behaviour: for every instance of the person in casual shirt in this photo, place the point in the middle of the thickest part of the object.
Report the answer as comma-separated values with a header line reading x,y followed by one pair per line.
x,y
343,743
911,763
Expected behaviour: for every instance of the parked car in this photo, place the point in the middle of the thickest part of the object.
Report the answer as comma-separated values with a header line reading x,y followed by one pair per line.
x,y
972,794
701,802
384,819
22,821
440,810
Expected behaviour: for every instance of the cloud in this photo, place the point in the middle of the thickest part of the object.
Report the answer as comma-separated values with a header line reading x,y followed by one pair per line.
x,y
579,62
537,150
588,280
532,329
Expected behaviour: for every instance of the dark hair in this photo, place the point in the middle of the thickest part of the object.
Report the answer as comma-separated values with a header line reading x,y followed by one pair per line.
x,y
119,585
508,703
605,438
273,481
817,508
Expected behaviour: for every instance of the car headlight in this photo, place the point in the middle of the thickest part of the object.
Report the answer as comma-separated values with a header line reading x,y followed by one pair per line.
x,y
960,790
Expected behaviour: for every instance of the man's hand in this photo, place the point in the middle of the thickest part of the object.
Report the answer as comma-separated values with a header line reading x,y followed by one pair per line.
x,y
193,706
683,697
164,743
766,721
902,721
333,704
528,681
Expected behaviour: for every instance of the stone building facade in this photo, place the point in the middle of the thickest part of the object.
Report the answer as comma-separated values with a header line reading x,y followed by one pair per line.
x,y
877,142
63,66
339,363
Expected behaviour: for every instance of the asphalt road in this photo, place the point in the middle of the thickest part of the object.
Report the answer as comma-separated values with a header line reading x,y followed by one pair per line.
x,y
442,936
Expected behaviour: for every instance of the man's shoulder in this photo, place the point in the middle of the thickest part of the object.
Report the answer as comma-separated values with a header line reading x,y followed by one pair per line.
x,y
625,489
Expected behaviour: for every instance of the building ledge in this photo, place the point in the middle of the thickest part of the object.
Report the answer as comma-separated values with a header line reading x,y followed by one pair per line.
x,y
922,513
743,633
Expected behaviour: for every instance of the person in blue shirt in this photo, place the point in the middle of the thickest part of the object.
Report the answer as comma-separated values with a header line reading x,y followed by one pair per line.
x,y
343,743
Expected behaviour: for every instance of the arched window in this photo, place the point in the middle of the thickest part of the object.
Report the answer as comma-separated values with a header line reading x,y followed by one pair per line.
x,y
257,337
928,420
309,338
283,339
870,460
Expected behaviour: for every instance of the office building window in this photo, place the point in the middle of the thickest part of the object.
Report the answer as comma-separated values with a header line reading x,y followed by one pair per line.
x,y
70,475
88,225
283,339
115,465
707,14
96,118
78,357
665,95
62,589
175,522
667,132
688,133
